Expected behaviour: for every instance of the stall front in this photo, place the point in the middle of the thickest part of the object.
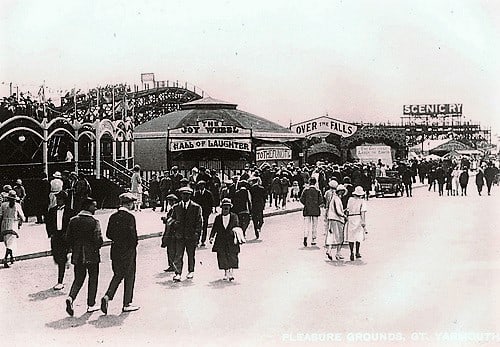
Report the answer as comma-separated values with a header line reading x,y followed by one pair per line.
x,y
213,134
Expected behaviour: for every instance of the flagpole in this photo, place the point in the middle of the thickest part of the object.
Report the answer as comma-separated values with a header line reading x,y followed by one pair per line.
x,y
45,145
74,100
113,102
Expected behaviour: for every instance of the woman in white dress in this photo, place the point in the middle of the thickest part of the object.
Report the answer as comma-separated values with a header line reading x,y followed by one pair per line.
x,y
328,198
335,221
136,187
455,181
11,216
356,220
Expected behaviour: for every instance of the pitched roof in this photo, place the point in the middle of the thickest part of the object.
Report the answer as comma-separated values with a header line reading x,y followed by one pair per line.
x,y
211,109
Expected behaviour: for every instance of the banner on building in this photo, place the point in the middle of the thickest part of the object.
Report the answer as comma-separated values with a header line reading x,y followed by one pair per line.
x,y
176,145
324,125
209,128
273,153
367,154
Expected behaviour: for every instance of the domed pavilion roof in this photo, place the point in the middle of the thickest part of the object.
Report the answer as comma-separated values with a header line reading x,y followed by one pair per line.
x,y
212,109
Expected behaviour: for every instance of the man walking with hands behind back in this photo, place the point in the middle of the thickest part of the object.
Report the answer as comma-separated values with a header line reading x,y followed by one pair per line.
x,y
85,239
123,233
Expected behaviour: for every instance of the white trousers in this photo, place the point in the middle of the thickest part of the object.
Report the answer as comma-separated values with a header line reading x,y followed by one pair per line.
x,y
310,226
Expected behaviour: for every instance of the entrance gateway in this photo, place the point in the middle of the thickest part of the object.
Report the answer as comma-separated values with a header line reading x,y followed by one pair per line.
x,y
336,141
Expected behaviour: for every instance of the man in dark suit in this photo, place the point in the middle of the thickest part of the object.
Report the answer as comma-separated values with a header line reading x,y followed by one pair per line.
x,y
56,224
204,198
258,194
123,233
187,227
175,177
85,239
242,205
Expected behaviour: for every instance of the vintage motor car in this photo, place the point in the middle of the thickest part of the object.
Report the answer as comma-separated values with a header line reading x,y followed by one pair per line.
x,y
389,184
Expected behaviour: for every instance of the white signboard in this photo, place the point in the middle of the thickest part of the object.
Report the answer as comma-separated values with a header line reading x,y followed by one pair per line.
x,y
324,125
177,145
368,154
209,128
273,153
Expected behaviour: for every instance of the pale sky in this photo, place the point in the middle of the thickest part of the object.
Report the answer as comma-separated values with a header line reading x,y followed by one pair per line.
x,y
283,60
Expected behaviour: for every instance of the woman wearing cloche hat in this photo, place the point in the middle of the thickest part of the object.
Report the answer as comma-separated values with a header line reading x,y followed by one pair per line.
x,y
225,246
11,215
356,220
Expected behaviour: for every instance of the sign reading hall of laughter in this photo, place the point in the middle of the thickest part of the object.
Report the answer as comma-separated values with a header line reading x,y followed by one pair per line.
x,y
210,134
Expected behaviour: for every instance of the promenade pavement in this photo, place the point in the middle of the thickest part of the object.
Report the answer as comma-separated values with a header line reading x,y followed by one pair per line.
x,y
33,241
428,277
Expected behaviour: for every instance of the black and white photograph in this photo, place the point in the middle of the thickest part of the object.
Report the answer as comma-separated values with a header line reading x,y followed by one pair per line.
x,y
249,173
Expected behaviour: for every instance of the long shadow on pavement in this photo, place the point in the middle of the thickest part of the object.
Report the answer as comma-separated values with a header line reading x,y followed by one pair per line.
x,y
165,274
109,321
310,248
220,284
176,285
254,241
69,322
356,262
337,263
45,294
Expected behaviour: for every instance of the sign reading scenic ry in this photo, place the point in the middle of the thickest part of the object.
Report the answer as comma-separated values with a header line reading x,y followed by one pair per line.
x,y
432,109
324,125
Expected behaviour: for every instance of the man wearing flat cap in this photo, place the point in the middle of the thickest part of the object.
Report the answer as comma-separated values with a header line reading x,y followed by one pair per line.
x,y
204,198
56,224
123,234
187,227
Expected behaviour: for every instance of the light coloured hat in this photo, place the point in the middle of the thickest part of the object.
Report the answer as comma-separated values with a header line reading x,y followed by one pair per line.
x,y
185,190
333,184
226,201
57,174
19,181
12,195
172,197
125,198
358,191
341,187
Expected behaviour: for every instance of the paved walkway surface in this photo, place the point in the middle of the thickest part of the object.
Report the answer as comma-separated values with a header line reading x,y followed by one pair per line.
x,y
428,277
33,240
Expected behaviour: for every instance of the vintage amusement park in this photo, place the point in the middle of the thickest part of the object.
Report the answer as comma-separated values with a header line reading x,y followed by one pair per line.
x,y
102,134
143,147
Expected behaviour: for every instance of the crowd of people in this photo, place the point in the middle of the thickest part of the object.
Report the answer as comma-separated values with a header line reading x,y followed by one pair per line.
x,y
455,177
338,193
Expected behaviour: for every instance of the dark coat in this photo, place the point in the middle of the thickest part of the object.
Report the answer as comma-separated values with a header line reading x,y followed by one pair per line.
x,y
187,223
40,197
169,230
123,232
154,189
258,194
85,239
165,185
312,200
242,202
489,173
205,200
480,178
464,178
224,237
58,244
